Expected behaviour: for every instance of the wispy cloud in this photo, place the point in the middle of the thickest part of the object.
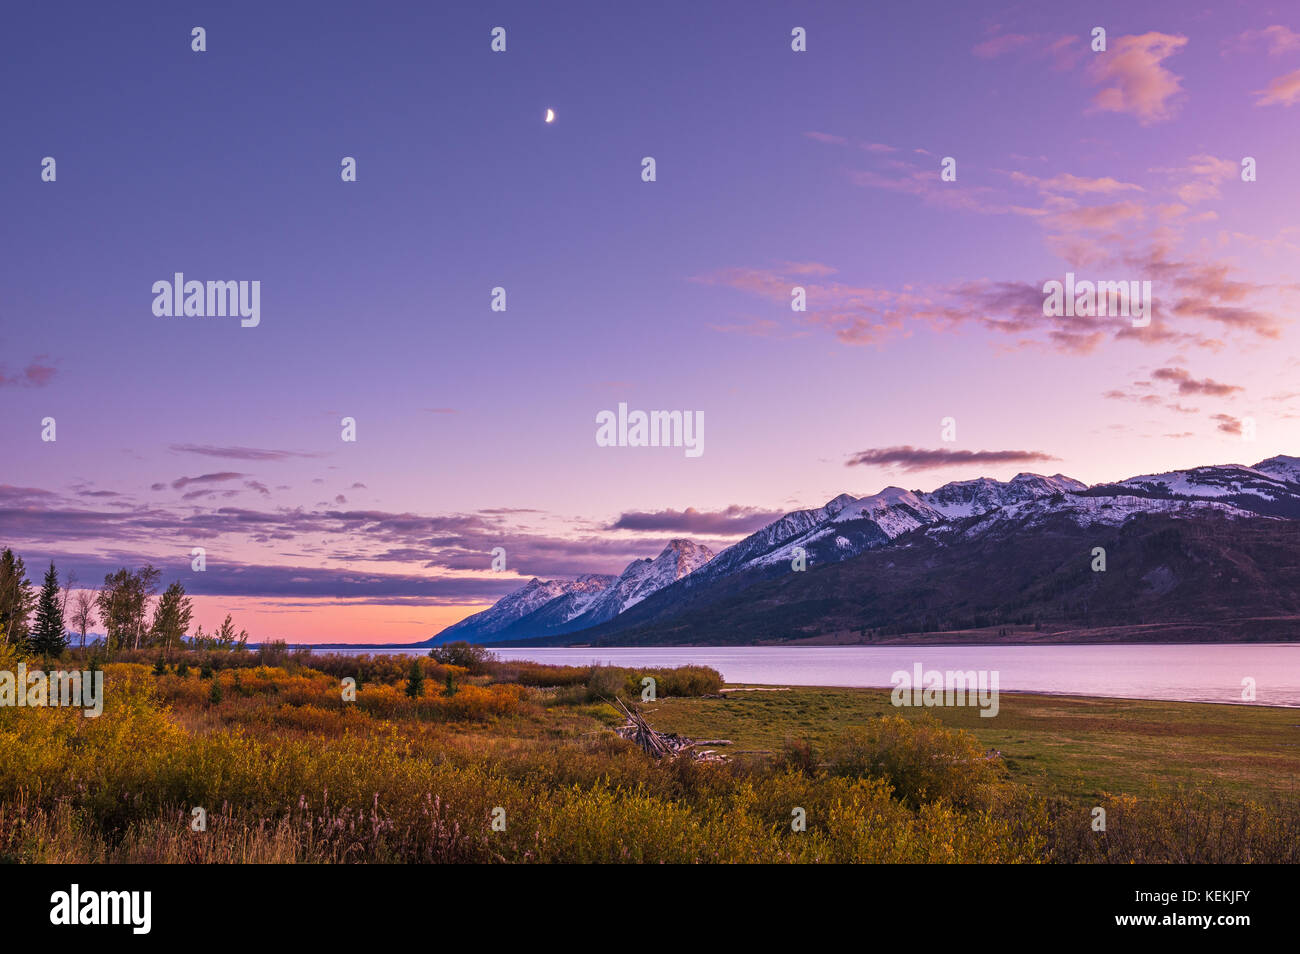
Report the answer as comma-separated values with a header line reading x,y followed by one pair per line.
x,y
1078,185
1277,39
1187,384
37,374
239,453
827,138
1282,91
996,46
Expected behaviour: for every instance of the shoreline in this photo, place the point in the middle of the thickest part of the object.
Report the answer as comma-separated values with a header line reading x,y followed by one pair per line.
x,y
802,645
772,687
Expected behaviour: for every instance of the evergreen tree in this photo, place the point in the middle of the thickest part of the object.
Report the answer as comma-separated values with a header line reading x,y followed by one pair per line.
x,y
415,681
49,638
15,597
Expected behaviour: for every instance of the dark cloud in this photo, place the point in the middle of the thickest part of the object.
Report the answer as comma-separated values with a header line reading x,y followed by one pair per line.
x,y
11,496
206,479
916,458
734,520
456,542
1227,423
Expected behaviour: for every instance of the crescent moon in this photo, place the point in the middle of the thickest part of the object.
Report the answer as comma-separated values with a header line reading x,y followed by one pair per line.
x,y
550,115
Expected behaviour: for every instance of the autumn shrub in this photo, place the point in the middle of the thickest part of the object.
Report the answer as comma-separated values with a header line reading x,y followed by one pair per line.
x,y
592,683
1184,825
922,760
473,659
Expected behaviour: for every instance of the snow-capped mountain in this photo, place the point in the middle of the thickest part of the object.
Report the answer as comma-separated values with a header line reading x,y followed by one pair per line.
x,y
1083,511
763,541
543,608
847,527
643,578
965,498
1270,488
584,591
532,596
1281,466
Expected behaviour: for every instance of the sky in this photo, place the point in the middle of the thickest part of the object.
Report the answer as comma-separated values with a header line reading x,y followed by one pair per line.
x,y
774,169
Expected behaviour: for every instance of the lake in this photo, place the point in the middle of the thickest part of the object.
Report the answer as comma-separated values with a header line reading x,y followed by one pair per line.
x,y
1180,673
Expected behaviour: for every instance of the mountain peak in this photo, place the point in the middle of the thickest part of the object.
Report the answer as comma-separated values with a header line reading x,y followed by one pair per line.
x,y
681,543
1282,466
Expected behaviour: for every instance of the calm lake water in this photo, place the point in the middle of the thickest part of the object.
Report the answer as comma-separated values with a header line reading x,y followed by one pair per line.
x,y
1186,673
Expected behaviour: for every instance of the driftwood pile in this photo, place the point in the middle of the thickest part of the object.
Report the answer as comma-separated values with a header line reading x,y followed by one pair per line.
x,y
664,745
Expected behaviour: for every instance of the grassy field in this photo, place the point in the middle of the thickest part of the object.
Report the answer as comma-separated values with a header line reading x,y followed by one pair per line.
x,y
1069,746
333,759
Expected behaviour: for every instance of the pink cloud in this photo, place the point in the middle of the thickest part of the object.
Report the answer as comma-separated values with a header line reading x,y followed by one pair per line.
x,y
1097,217
1134,79
1079,185
1283,91
36,375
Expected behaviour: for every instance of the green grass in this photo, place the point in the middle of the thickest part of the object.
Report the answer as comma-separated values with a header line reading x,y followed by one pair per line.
x,y
1058,745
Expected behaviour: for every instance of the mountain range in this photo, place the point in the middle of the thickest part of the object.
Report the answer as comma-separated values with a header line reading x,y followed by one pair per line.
x,y
1210,552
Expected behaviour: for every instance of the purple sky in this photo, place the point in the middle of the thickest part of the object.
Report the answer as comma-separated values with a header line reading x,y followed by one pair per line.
x,y
476,428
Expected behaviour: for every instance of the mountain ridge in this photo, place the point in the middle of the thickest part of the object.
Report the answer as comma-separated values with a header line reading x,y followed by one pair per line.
x,y
846,528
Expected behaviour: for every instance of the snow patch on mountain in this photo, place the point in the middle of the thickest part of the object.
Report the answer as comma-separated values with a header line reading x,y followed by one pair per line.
x,y
1282,467
645,577
1220,480
514,605
965,498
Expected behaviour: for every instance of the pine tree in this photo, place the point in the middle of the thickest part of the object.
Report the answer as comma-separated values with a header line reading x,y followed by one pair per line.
x,y
49,638
15,597
415,681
